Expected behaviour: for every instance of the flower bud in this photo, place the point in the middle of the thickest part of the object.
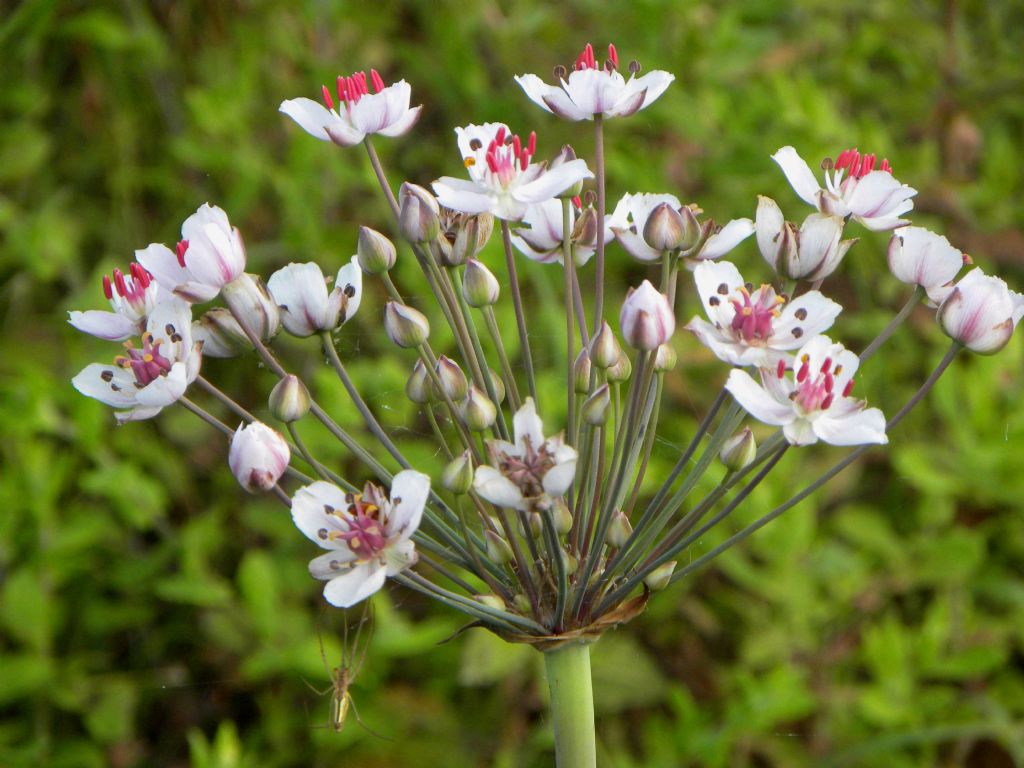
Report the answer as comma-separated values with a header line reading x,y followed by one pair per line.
x,y
375,252
622,369
584,231
477,410
457,476
419,388
480,286
646,320
289,399
534,525
453,380
258,457
665,359
561,517
660,576
522,604
604,349
581,373
499,386
566,155
920,257
405,326
981,312
300,291
249,299
220,333
419,215
465,245
664,228
572,563
739,450
619,530
595,409
498,550
491,601
692,234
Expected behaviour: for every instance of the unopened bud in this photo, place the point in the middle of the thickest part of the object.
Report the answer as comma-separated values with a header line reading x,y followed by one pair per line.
x,y
739,450
572,563
419,388
477,410
499,386
619,530
646,319
452,380
534,525
622,369
604,349
561,517
522,604
375,252
457,476
250,301
220,333
595,409
660,576
464,246
258,457
289,399
584,231
491,601
691,227
419,215
665,358
664,228
498,550
479,287
567,155
581,373
405,326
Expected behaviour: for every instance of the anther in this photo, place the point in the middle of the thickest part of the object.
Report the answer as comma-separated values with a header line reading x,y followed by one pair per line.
x,y
327,97
634,67
800,314
723,289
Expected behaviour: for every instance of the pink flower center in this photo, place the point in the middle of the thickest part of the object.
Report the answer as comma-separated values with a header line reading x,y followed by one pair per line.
x,y
507,157
352,88
815,391
527,471
586,59
180,250
131,290
857,165
147,363
365,535
755,313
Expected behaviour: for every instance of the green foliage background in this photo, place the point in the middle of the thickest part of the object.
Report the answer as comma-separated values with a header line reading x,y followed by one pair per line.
x,y
151,614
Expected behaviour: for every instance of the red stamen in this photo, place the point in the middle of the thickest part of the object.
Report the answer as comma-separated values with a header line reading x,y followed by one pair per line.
x,y
780,369
517,146
181,249
848,388
107,289
827,365
613,55
327,97
801,375
499,137
531,145
378,81
885,166
577,202
122,289
826,402
829,383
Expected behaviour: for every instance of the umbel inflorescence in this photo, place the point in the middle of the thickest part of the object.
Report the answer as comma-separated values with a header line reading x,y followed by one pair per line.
x,y
538,530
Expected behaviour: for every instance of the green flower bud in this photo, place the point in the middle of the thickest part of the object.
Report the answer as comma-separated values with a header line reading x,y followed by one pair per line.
x,y
419,388
664,228
595,409
491,601
479,285
572,563
660,576
419,217
739,450
561,517
604,349
375,252
499,386
621,370
522,604
498,550
665,358
477,410
405,326
619,530
453,380
457,476
581,373
289,399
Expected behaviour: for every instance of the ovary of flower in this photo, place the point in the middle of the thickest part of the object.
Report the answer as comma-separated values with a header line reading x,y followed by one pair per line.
x,y
503,179
367,535
981,312
358,113
920,257
541,241
143,381
300,291
852,188
813,401
751,326
209,255
530,472
590,90
132,297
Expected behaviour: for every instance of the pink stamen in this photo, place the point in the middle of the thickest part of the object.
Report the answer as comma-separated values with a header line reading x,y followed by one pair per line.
x,y
378,81
578,203
365,534
780,369
754,316
327,97
613,55
107,289
181,248
848,388
826,402
857,166
122,289
586,59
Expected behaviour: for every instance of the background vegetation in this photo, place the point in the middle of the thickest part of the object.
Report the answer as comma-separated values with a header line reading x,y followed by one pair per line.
x,y
150,614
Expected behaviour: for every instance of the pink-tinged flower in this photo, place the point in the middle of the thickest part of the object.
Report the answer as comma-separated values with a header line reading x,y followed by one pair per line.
x,y
300,291
132,297
367,535
209,255
646,319
813,401
529,473
755,326
701,240
920,257
852,188
541,241
810,253
503,179
359,113
143,381
591,90
980,312
258,456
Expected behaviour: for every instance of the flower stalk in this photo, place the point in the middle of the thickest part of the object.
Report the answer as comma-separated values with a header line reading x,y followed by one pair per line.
x,y
572,705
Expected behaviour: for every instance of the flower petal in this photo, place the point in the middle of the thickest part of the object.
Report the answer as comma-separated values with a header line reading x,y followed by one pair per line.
x,y
355,585
164,390
803,318
798,174
553,182
497,489
399,556
309,513
850,424
110,384
311,116
716,281
462,195
402,125
103,325
757,402
409,492
731,235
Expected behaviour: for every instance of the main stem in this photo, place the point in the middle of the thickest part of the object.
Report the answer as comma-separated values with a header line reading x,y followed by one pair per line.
x,y
572,705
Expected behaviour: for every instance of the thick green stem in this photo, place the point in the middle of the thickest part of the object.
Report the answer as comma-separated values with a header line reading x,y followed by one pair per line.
x,y
572,705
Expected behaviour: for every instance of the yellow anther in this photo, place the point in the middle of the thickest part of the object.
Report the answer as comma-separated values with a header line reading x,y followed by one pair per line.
x,y
147,358
469,162
748,311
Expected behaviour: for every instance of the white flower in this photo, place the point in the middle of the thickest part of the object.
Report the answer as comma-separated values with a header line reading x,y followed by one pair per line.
x,y
143,381
646,319
814,401
300,292
209,255
852,188
258,456
980,312
920,257
132,297
755,327
590,90
810,253
531,471
367,534
629,220
359,112
502,178
542,241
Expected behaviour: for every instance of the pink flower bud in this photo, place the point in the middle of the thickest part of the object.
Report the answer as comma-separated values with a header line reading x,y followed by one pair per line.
x,y
646,319
981,312
258,457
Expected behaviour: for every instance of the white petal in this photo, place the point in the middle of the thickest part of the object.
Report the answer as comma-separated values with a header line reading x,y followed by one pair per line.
x,y
651,85
854,427
399,556
818,312
594,91
497,489
350,283
172,317
409,492
455,194
527,425
301,292
798,174
878,197
402,125
918,256
716,281
104,325
309,512
553,182
355,585
731,235
800,432
558,479
162,263
550,98
820,251
118,392
634,245
137,413
768,224
328,565
756,401
164,390
312,117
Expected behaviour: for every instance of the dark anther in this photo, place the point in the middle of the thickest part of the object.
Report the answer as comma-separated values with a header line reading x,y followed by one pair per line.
x,y
714,301
634,67
107,376
798,332
475,144
801,314
723,289
560,72
322,534
169,329
350,290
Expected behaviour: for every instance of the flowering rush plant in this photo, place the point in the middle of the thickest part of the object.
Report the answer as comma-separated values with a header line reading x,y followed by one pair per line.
x,y
538,528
